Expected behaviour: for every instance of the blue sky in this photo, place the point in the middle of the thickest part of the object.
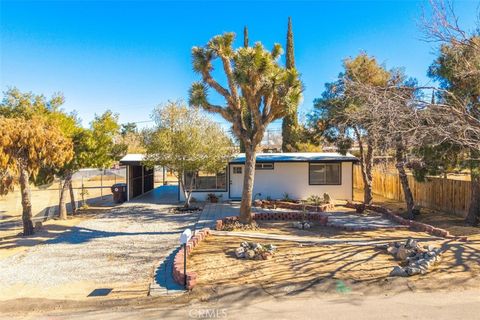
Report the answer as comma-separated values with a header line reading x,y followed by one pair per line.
x,y
131,56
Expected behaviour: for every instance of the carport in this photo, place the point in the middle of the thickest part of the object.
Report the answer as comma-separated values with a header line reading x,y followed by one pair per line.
x,y
140,179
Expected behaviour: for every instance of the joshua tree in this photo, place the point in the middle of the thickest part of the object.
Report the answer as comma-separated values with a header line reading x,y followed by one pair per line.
x,y
256,84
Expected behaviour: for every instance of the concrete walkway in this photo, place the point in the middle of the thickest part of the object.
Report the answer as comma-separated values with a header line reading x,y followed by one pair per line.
x,y
163,282
216,211
160,195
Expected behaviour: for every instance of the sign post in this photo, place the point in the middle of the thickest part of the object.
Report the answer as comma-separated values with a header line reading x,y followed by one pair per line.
x,y
184,237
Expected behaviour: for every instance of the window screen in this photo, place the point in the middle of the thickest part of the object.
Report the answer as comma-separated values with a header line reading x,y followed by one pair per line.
x,y
206,181
264,166
325,173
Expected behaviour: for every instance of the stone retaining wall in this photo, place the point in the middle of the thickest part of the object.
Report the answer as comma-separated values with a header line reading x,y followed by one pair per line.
x,y
293,206
178,264
419,226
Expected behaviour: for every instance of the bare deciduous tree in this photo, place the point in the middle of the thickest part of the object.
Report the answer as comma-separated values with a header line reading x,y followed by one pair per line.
x,y
456,115
390,117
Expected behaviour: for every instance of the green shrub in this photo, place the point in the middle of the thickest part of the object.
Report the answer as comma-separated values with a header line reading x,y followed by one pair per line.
x,y
315,200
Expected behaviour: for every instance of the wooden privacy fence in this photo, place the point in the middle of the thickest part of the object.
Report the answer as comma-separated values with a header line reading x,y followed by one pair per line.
x,y
447,195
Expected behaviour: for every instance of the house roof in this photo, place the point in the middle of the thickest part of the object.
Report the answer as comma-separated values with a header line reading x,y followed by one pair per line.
x,y
134,159
298,157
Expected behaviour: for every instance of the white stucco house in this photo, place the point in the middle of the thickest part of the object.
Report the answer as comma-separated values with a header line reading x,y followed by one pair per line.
x,y
300,175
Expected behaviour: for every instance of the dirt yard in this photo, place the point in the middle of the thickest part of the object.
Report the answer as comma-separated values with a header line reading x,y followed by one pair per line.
x,y
322,232
115,251
338,266
453,223
12,242
331,268
48,196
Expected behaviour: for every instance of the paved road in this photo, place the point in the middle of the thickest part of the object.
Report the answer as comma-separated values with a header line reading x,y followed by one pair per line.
x,y
408,305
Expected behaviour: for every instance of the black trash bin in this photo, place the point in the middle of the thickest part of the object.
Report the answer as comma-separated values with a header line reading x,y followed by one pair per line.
x,y
119,191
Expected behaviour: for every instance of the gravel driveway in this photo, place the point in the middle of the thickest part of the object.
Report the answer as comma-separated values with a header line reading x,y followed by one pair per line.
x,y
122,245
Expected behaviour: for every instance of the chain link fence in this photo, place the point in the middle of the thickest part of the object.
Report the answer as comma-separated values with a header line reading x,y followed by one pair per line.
x,y
90,187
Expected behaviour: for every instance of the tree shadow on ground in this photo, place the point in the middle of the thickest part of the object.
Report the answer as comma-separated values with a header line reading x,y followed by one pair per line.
x,y
132,213
51,212
338,269
463,257
333,233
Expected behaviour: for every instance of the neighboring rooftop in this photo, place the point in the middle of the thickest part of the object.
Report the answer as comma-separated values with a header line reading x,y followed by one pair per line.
x,y
297,157
132,159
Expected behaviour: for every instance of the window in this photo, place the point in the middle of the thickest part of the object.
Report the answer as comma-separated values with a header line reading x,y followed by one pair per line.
x,y
204,181
264,166
237,170
325,173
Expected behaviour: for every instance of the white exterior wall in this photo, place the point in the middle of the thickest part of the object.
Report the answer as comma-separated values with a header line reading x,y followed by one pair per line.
x,y
292,178
202,196
289,177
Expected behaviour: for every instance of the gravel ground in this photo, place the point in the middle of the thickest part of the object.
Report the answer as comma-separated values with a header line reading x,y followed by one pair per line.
x,y
122,245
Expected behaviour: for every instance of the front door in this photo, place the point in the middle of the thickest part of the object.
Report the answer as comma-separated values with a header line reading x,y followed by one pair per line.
x,y
236,181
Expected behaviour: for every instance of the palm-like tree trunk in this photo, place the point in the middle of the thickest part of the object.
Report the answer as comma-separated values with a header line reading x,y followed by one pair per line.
x,y
248,180
26,201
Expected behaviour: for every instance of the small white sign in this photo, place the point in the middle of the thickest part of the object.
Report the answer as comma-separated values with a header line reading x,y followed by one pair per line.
x,y
185,236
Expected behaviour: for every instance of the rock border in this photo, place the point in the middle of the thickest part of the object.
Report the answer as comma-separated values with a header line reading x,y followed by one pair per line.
x,y
270,204
178,264
418,226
